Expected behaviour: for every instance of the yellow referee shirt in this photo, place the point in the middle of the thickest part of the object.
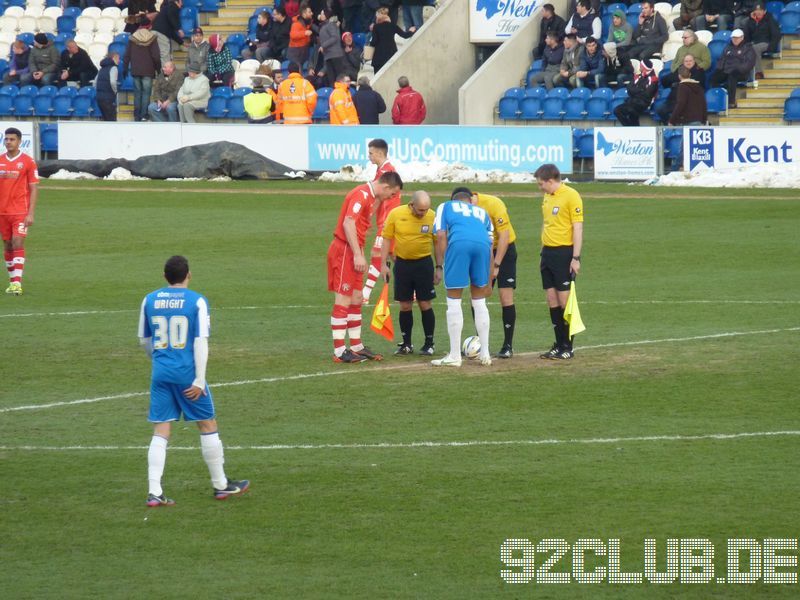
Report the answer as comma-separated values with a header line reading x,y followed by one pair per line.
x,y
559,212
498,213
413,235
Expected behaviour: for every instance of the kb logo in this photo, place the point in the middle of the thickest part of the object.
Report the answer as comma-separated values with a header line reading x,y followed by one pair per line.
x,y
701,136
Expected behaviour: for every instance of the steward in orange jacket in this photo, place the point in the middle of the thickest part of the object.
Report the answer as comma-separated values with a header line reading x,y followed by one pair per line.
x,y
297,98
340,102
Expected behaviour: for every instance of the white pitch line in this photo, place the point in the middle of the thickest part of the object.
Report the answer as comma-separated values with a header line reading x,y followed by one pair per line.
x,y
438,444
393,368
78,313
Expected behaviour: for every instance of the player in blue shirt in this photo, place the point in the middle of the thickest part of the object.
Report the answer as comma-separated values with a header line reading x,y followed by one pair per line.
x,y
464,243
174,326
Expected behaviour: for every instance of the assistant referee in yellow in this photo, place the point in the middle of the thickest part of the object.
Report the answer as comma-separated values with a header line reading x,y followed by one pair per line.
x,y
562,240
411,228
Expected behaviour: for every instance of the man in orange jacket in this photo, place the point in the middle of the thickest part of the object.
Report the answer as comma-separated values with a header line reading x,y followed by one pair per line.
x,y
297,98
343,111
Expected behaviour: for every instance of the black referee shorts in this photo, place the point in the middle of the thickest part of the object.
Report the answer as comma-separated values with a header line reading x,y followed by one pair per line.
x,y
413,277
555,267
507,274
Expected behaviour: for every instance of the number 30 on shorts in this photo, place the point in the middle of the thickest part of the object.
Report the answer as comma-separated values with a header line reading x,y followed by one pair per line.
x,y
170,332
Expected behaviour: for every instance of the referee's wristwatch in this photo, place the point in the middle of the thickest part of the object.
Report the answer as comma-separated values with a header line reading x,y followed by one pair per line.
x,y
578,258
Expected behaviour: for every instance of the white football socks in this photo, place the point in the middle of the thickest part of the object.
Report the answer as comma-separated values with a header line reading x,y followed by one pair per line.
x,y
455,324
211,446
156,459
482,323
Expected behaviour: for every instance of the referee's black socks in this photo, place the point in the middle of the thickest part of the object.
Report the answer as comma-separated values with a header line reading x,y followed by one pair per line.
x,y
509,319
428,324
406,321
560,326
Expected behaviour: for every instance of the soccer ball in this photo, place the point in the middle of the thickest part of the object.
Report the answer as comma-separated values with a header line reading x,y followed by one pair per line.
x,y
471,346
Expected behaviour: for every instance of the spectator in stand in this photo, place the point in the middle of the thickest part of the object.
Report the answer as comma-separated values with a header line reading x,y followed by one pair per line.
x,y
383,33
193,95
143,61
258,46
43,61
106,86
220,62
412,13
167,28
690,10
618,70
330,44
550,23
690,106
351,16
409,106
316,74
763,31
19,66
352,56
164,106
369,103
693,46
592,68
141,13
584,23
279,34
120,4
340,102
258,103
717,15
670,82
75,66
649,35
551,62
198,52
292,8
620,32
737,60
570,64
300,36
297,98
741,12
641,92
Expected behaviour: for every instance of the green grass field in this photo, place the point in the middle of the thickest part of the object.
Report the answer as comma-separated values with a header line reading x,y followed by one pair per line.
x,y
392,479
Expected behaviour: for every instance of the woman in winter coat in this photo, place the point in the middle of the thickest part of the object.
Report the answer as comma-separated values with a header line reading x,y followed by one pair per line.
x,y
383,32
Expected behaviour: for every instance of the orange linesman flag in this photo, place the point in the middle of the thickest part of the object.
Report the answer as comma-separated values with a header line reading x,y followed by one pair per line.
x,y
382,316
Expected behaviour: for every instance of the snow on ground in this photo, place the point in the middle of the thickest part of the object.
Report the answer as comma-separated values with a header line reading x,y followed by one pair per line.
x,y
760,176
433,171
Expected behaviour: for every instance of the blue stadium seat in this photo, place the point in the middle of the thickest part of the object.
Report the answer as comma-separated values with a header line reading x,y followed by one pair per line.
x,y
6,105
581,92
795,93
9,90
612,105
794,5
323,94
717,100
209,6
122,37
236,42
31,90
222,92
266,9
48,137
560,92
195,4
596,108
252,26
609,9
119,48
188,17
553,108
515,92
536,92
724,35
530,108
322,112
574,109
509,108
775,7
26,37
791,109
715,47
360,39
66,24
217,107
604,92
620,93
235,106
126,85
43,105
68,91
72,11
673,143
62,106
586,144
20,3
536,65
82,105
790,21
48,90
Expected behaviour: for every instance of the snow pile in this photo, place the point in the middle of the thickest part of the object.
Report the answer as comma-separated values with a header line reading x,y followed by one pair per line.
x,y
121,174
64,174
427,172
760,176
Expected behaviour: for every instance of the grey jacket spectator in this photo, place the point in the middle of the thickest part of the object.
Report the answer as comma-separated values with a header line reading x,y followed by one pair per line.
x,y
763,30
352,56
570,64
198,54
44,58
369,103
690,10
620,32
652,30
551,62
330,39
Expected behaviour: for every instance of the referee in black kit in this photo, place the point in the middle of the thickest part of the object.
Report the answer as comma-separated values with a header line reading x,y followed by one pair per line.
x,y
562,239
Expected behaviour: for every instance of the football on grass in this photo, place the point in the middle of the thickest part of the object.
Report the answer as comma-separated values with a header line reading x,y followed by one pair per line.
x,y
471,346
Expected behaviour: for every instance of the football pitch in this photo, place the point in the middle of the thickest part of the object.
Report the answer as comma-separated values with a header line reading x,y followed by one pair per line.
x,y
677,419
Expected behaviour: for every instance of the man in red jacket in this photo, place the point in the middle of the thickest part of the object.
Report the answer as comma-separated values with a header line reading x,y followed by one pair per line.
x,y
409,107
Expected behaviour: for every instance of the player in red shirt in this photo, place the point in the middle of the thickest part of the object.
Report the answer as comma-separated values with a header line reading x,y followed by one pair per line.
x,y
346,265
19,178
378,149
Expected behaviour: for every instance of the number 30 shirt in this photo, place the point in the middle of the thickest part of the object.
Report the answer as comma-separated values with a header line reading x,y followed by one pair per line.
x,y
174,317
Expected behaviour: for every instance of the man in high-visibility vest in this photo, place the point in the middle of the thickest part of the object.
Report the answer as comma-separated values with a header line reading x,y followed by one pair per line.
x,y
297,98
340,102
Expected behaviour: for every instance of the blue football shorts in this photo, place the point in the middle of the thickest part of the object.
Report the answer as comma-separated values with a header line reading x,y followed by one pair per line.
x,y
466,262
167,403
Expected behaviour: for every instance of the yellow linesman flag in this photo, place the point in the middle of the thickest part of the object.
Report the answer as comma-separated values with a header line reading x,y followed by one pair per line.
x,y
572,314
382,316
